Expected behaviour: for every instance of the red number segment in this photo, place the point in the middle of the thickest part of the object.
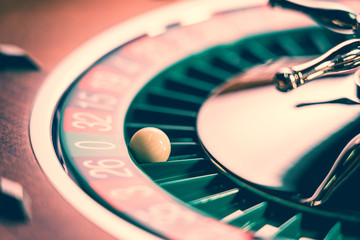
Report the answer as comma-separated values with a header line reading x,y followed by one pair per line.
x,y
93,101
104,79
88,121
129,194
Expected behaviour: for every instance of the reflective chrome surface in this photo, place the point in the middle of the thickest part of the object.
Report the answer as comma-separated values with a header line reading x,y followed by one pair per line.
x,y
343,168
346,164
274,140
334,16
343,58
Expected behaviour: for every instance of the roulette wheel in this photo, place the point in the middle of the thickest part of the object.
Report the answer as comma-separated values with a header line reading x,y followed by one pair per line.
x,y
244,157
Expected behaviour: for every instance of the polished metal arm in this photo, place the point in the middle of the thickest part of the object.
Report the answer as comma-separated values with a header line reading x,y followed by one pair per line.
x,y
333,16
343,58
345,165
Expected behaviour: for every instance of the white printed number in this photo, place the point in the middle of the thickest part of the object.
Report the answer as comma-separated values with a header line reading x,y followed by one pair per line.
x,y
106,168
90,120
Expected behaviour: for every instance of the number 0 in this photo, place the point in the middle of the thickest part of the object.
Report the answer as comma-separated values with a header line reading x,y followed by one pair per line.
x,y
95,145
